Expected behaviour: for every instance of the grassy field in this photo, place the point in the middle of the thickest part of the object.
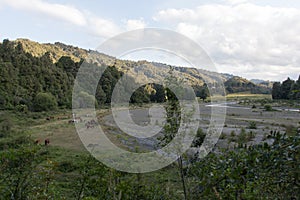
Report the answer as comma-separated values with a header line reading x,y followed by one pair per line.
x,y
239,96
247,95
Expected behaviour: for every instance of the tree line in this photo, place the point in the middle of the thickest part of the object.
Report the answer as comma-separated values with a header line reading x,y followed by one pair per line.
x,y
30,83
288,89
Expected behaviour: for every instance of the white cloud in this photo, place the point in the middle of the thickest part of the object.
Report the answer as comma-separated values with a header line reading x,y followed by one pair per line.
x,y
67,13
133,24
248,37
102,27
235,2
83,19
64,12
174,15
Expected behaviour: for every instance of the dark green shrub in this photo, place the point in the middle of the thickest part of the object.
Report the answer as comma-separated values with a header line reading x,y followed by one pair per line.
x,y
44,102
199,138
252,125
242,138
232,133
268,107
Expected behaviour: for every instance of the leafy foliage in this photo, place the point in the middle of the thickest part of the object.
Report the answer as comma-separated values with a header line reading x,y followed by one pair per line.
x,y
289,89
200,136
23,76
44,102
255,172
252,125
201,91
268,107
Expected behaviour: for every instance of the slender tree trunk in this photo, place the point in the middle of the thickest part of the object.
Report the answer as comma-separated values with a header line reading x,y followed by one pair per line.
x,y
180,164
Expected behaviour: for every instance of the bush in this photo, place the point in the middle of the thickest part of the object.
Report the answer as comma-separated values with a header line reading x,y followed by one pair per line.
x,y
252,125
223,136
232,133
251,135
6,125
268,107
291,130
85,100
66,166
199,138
258,172
44,102
242,138
22,108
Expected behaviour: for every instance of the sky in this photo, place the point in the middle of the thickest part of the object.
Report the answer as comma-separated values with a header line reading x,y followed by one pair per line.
x,y
250,38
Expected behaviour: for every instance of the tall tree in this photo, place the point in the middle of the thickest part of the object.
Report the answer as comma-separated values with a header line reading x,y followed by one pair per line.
x,y
276,90
159,94
204,92
296,90
174,88
286,88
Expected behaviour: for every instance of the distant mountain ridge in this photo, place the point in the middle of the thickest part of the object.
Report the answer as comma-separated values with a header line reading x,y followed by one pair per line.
x,y
144,70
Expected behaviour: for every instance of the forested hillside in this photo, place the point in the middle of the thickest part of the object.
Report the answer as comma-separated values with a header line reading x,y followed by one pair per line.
x,y
23,76
237,84
29,70
28,81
